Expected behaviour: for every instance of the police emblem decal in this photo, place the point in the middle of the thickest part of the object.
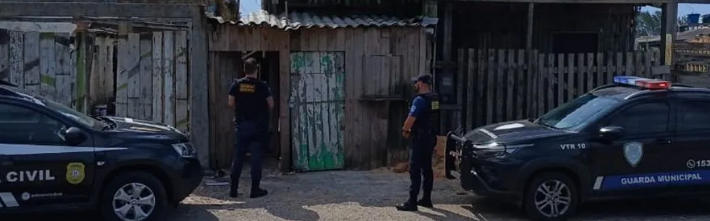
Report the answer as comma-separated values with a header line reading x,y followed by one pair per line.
x,y
633,152
75,173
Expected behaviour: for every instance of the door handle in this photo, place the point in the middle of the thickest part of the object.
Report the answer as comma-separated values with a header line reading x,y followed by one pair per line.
x,y
663,141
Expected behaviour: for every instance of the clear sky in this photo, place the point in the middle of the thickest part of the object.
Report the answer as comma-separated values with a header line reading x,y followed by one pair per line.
x,y
248,6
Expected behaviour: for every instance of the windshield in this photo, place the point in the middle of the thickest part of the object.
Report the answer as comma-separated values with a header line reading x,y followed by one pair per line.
x,y
578,111
71,113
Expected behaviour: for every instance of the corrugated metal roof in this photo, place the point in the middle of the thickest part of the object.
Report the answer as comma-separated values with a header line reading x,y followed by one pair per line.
x,y
298,20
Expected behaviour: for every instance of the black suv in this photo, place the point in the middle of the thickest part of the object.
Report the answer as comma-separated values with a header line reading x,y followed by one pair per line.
x,y
55,158
635,138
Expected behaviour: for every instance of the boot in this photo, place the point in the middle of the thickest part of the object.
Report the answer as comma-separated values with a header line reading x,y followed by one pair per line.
x,y
258,192
234,188
407,206
426,200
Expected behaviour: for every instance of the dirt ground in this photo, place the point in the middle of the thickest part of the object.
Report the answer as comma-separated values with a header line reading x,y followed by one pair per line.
x,y
370,196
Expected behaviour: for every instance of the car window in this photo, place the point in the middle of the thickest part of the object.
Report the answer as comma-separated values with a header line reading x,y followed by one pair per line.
x,y
579,111
693,115
643,118
20,125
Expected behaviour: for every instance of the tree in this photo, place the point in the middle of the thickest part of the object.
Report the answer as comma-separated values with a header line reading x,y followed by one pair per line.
x,y
648,23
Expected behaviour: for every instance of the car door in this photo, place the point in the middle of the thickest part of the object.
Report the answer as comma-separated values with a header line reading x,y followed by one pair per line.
x,y
630,165
38,168
690,158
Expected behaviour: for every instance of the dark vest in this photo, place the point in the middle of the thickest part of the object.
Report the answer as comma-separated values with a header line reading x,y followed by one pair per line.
x,y
428,122
250,104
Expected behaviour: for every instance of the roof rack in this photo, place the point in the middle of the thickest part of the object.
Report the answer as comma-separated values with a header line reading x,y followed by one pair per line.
x,y
3,82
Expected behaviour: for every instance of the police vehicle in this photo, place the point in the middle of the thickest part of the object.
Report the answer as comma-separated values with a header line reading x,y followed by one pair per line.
x,y
53,158
636,137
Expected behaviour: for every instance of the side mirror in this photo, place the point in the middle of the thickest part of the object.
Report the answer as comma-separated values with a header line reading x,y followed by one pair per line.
x,y
74,136
611,132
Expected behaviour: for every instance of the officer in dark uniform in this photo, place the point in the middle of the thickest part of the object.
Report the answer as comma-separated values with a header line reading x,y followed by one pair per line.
x,y
420,125
252,103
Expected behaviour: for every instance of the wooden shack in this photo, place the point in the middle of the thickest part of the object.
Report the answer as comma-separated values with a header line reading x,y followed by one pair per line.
x,y
342,82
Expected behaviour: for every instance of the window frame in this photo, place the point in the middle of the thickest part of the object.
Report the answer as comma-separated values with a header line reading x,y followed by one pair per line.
x,y
43,114
606,120
679,103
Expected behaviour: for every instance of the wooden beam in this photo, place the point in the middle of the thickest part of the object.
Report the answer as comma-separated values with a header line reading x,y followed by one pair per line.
x,y
529,35
587,1
97,10
199,103
669,30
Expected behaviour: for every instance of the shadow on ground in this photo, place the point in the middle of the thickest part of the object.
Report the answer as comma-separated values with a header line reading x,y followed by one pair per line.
x,y
303,196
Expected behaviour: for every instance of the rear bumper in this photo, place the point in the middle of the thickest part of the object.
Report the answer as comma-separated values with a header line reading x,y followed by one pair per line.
x,y
188,180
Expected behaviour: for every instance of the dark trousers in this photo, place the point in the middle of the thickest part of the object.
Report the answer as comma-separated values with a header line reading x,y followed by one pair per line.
x,y
420,165
249,137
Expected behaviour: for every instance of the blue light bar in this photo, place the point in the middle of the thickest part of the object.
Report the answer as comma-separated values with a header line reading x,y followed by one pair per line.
x,y
627,80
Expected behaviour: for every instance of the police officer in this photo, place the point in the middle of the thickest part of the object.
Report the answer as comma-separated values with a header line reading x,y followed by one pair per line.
x,y
252,102
420,125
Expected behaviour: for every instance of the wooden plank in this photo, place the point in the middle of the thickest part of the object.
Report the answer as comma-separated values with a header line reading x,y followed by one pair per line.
x,y
598,69
4,55
474,95
500,86
145,82
581,76
31,61
64,66
299,152
490,105
522,86
47,66
168,78
199,112
560,80
509,85
157,77
638,64
541,81
551,82
96,75
16,58
647,62
181,81
133,71
590,73
629,64
82,60
619,65
123,60
108,70
480,83
570,78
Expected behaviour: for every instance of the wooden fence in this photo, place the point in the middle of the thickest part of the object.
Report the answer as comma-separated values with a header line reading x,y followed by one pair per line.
x,y
152,77
145,73
48,64
503,85
692,62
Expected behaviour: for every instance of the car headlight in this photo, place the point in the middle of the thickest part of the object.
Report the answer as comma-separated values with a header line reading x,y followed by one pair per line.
x,y
497,149
184,149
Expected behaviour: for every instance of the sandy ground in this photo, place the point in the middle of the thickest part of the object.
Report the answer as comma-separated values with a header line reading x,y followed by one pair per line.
x,y
370,196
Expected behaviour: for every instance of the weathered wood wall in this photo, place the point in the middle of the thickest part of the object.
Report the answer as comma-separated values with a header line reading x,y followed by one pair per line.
x,y
504,25
152,78
44,63
504,85
371,123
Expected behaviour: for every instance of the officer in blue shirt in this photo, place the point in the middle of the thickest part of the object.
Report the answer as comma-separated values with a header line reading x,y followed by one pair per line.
x,y
252,102
421,126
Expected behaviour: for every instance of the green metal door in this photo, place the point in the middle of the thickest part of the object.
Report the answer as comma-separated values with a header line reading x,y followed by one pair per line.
x,y
317,103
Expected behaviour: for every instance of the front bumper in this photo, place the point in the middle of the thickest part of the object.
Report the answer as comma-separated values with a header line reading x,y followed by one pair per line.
x,y
474,178
188,180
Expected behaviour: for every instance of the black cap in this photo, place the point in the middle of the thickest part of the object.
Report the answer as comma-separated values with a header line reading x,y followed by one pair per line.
x,y
424,78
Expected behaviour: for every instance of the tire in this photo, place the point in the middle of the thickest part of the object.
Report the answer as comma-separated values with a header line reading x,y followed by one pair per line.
x,y
125,181
550,179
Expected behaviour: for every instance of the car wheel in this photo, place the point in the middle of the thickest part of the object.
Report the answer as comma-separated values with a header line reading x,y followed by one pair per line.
x,y
133,196
550,197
